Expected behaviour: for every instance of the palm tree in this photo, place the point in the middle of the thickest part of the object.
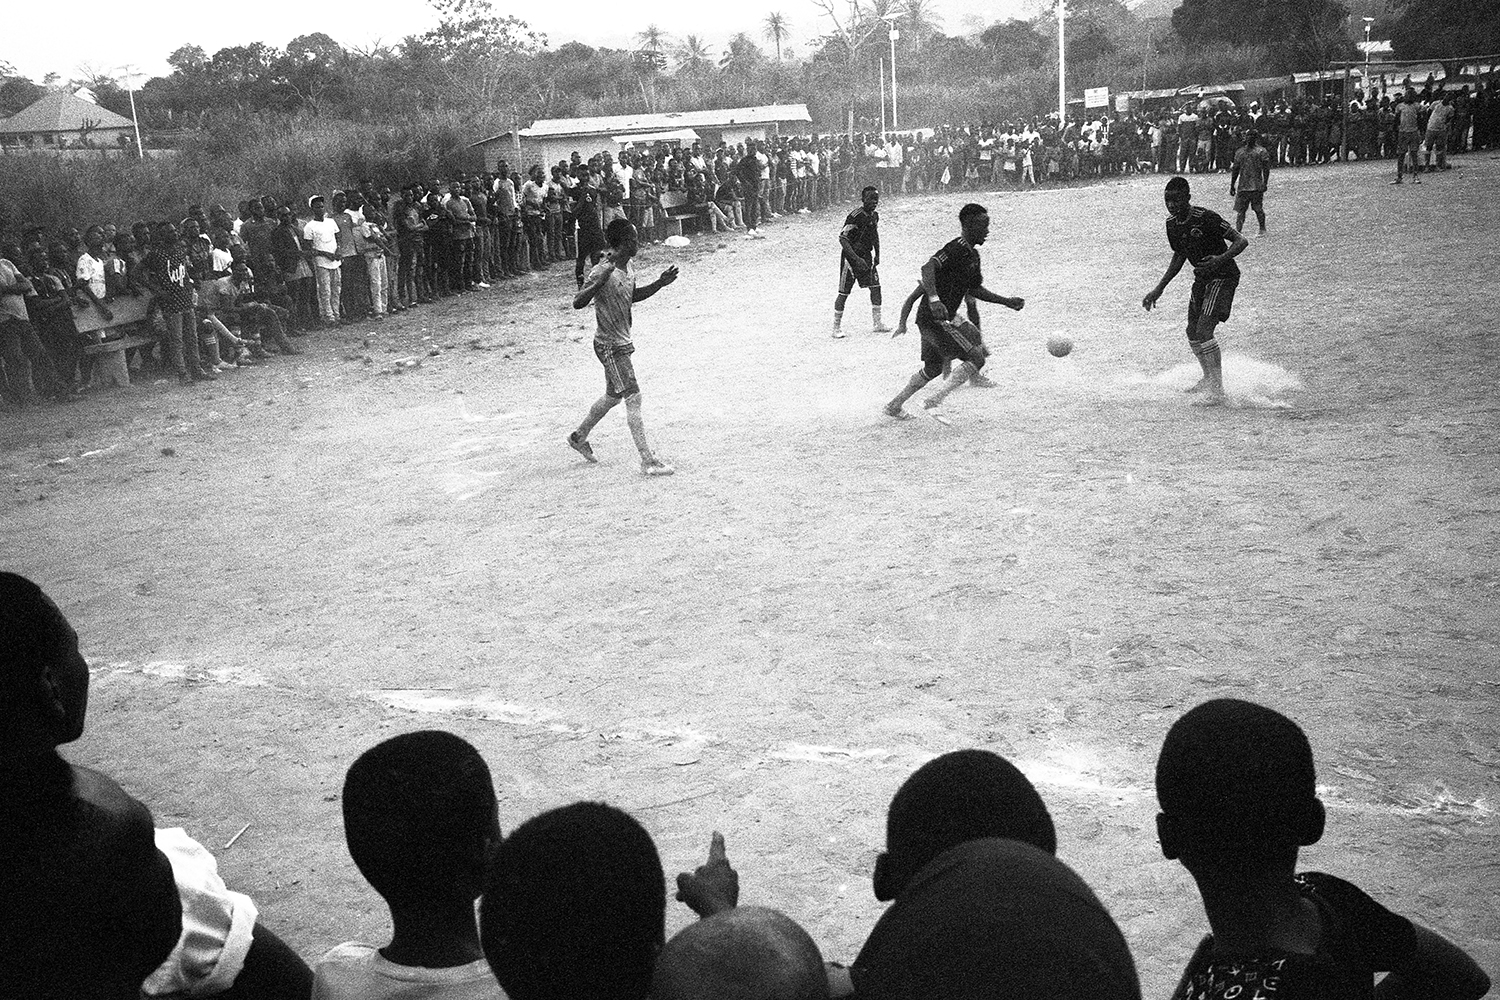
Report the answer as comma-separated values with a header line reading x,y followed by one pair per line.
x,y
653,40
777,30
922,20
694,54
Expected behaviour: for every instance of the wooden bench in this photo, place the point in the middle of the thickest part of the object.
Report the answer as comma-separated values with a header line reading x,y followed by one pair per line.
x,y
108,340
674,205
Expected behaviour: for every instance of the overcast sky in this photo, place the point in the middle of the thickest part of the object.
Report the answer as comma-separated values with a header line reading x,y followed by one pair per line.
x,y
39,39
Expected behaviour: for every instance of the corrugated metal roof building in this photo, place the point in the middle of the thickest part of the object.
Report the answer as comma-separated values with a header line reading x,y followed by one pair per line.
x,y
60,120
549,140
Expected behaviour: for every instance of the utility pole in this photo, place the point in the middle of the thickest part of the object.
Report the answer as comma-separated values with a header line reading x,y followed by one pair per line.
x,y
135,119
891,30
1062,68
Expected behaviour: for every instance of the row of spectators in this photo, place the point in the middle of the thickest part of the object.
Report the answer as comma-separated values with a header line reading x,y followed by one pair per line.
x,y
229,290
95,902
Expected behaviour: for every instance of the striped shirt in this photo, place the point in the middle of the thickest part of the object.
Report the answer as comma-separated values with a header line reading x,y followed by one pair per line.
x,y
612,303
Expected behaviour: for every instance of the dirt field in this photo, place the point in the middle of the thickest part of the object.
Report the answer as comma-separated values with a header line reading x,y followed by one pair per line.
x,y
822,598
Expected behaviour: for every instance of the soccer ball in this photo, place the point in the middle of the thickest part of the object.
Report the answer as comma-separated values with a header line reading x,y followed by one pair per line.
x,y
1059,346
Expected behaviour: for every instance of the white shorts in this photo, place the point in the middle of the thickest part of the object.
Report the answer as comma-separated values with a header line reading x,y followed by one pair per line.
x,y
217,924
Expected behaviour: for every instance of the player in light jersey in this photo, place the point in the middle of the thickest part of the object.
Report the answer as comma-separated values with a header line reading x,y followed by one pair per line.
x,y
611,288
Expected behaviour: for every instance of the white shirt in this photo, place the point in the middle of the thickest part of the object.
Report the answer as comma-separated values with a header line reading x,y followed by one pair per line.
x,y
91,270
355,971
323,236
625,174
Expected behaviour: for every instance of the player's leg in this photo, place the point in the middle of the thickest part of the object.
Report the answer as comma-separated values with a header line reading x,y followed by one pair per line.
x,y
1258,205
579,439
1195,313
1206,347
846,285
932,366
968,349
875,303
650,464
1241,205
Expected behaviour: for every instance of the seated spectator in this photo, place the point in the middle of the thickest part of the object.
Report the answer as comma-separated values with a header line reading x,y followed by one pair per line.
x,y
420,819
1238,797
746,953
88,906
575,906
982,908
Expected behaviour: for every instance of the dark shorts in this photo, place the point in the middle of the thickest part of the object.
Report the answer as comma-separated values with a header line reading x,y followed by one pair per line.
x,y
942,343
1249,199
619,372
847,277
1211,297
1408,141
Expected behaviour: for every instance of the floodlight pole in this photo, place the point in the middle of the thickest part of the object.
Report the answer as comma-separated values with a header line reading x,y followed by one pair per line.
x,y
1062,71
891,26
881,74
135,119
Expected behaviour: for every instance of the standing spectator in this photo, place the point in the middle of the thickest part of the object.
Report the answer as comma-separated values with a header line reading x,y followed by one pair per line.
x,y
166,271
748,170
533,216
289,255
1437,133
322,236
26,361
1408,137
484,234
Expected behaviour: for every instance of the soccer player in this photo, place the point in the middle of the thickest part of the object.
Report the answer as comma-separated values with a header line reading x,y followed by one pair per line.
x,y
860,258
1210,244
952,276
1252,174
611,287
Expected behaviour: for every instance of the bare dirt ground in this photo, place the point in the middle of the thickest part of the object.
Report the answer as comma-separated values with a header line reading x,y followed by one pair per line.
x,y
821,599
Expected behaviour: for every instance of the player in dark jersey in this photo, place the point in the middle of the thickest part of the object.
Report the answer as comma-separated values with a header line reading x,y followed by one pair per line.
x,y
859,259
950,277
1203,239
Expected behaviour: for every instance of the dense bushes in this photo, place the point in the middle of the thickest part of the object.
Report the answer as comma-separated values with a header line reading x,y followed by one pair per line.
x,y
290,158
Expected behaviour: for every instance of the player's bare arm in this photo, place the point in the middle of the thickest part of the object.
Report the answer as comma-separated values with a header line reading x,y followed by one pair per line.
x,y
985,295
929,289
646,291
906,308
1178,259
1209,265
1234,176
589,290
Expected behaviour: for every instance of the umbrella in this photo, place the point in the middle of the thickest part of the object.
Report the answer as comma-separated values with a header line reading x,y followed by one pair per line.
x,y
1214,102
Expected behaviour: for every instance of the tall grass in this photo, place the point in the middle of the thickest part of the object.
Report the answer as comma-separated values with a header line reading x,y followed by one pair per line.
x,y
289,158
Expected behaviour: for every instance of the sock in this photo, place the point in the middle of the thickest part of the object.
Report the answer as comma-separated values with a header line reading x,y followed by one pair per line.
x,y
960,375
838,318
875,314
913,386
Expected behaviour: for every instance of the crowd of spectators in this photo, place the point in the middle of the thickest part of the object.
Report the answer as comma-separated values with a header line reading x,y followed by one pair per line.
x,y
234,289
96,902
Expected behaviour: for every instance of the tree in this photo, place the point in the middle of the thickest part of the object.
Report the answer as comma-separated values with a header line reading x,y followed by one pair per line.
x,y
777,30
1445,29
1013,46
922,21
855,24
1298,34
477,50
742,57
694,55
653,44
188,59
